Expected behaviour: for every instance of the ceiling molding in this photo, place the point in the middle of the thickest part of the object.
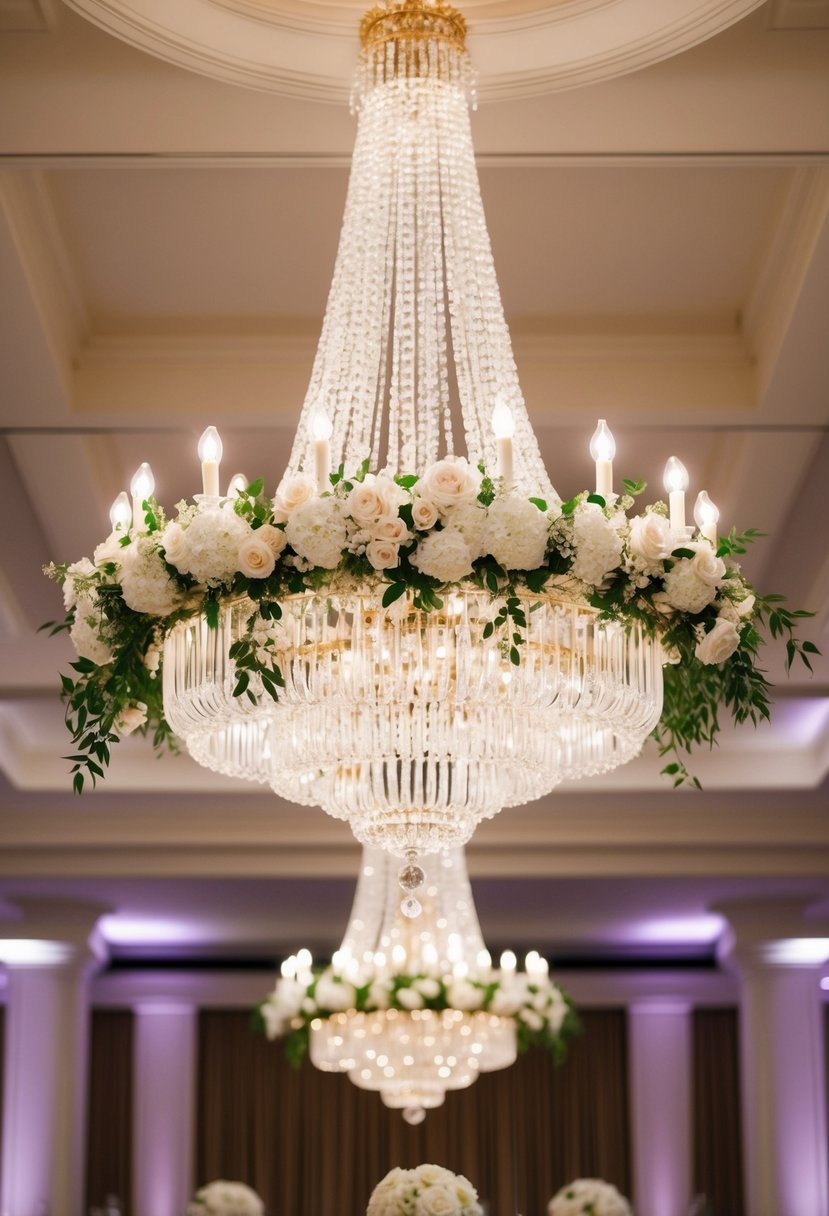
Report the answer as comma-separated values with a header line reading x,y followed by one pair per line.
x,y
27,211
283,50
798,15
769,312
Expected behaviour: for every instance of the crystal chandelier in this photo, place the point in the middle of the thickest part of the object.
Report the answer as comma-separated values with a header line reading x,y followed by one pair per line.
x,y
412,1008
413,720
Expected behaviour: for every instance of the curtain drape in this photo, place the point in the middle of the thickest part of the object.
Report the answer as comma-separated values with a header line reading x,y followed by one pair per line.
x,y
109,1143
312,1144
716,1110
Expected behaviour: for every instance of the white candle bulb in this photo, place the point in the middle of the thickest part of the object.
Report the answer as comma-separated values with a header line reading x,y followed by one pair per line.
x,y
508,961
288,968
210,455
321,432
603,449
237,485
706,515
398,955
304,959
120,513
503,427
460,970
676,483
484,960
141,488
531,962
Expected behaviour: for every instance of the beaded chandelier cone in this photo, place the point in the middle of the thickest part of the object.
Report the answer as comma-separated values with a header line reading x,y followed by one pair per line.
x,y
413,721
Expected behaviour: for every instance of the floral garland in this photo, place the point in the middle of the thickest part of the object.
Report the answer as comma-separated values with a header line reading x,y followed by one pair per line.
x,y
222,1198
428,1190
588,1197
542,1013
417,536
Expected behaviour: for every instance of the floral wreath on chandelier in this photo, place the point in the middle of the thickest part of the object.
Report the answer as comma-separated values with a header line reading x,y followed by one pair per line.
x,y
418,537
542,1013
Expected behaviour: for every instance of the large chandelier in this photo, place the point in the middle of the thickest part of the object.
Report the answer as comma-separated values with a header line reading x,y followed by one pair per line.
x,y
412,1008
414,631
413,721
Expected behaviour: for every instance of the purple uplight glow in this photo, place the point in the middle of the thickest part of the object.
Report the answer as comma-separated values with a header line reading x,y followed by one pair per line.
x,y
125,929
703,928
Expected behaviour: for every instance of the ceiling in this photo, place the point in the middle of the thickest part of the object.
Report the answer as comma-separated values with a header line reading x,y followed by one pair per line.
x,y
167,237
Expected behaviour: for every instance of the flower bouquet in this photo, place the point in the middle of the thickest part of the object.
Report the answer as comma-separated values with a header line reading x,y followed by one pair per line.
x,y
428,1190
222,1198
588,1197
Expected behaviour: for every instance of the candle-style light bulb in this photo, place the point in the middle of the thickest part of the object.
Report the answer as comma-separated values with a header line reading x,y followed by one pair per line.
x,y
706,516
503,428
531,961
603,449
484,960
321,432
237,485
288,968
210,455
120,513
508,961
304,959
141,488
676,483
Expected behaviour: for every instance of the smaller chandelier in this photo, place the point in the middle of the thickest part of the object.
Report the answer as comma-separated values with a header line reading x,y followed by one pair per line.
x,y
411,1006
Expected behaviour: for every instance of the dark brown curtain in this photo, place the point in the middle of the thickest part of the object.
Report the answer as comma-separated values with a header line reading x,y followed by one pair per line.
x,y
312,1144
718,1170
109,1143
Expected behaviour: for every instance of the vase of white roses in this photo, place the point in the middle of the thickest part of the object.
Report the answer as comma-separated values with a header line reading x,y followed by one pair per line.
x,y
589,1197
223,1198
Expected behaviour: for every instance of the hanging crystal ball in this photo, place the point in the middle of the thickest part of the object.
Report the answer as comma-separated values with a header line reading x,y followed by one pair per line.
x,y
411,877
411,907
414,1115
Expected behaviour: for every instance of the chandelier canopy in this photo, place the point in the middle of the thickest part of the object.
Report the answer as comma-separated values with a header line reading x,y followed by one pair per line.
x,y
412,1008
414,631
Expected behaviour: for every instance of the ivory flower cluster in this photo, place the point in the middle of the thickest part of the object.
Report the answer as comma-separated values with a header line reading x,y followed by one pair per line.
x,y
222,1198
537,1005
428,1190
588,1197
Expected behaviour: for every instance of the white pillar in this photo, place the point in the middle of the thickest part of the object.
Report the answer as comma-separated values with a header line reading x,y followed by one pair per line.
x,y
778,958
50,956
659,1040
164,1107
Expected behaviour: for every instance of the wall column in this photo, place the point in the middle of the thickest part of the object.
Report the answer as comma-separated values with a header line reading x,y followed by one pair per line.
x,y
778,957
50,956
164,1112
660,1063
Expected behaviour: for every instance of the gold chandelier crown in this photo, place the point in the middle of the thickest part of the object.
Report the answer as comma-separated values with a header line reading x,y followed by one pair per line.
x,y
413,20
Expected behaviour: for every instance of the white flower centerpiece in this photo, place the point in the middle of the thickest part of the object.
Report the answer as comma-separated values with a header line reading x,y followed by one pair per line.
x,y
589,1197
222,1198
428,1190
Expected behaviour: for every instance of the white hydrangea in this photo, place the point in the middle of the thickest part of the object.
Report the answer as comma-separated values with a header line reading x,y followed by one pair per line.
x,y
316,531
470,519
86,630
516,533
208,548
334,995
692,582
597,545
109,550
73,584
145,584
443,555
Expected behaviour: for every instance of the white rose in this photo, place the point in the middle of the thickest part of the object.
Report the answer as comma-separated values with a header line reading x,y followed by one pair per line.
x,y
708,568
130,719
443,555
531,1019
256,559
383,554
273,537
436,1201
373,499
424,514
505,1002
334,995
463,995
650,538
430,988
292,491
745,607
110,549
409,998
449,482
431,1175
719,643
391,527
379,996
173,543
